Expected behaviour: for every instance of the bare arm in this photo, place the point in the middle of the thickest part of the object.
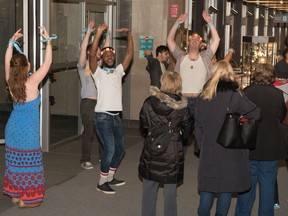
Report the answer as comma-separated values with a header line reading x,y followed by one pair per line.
x,y
39,75
229,55
107,39
92,56
171,35
215,37
83,48
9,53
130,50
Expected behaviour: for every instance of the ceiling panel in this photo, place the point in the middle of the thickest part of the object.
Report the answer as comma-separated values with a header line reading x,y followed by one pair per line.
x,y
275,4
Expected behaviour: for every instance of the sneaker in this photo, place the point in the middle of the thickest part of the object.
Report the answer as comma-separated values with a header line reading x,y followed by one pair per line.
x,y
105,188
87,165
276,206
116,182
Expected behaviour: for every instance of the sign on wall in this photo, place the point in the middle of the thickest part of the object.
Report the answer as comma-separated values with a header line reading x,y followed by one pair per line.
x,y
281,18
146,43
173,11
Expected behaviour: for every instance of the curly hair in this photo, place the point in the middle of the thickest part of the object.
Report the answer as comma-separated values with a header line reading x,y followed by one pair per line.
x,y
264,74
18,77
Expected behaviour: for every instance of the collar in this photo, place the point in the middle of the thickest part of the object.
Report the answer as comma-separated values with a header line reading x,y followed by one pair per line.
x,y
109,70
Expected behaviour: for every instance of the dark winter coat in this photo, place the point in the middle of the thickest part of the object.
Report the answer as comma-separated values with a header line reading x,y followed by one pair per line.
x,y
221,169
270,100
167,168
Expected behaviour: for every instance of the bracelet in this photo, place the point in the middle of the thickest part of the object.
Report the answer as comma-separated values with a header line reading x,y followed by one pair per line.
x,y
231,50
53,36
177,25
48,43
106,34
16,45
210,24
87,30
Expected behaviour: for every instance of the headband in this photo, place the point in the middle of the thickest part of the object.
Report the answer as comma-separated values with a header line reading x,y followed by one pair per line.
x,y
107,49
194,36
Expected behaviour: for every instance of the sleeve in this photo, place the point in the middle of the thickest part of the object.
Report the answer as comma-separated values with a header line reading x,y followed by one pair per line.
x,y
248,108
187,124
178,53
143,119
198,128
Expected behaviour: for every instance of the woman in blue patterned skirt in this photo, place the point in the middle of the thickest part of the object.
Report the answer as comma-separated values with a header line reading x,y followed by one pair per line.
x,y
24,175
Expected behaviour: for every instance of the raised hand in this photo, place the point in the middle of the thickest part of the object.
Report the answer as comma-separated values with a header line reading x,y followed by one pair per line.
x,y
43,32
182,18
91,26
102,27
17,35
206,17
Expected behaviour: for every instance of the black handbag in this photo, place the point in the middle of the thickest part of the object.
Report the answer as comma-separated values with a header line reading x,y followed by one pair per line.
x,y
237,132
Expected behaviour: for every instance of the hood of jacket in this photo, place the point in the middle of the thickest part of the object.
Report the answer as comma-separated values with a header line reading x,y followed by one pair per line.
x,y
164,103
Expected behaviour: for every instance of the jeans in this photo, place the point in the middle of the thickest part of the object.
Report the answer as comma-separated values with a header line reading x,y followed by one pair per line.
x,y
87,107
149,198
111,133
265,172
206,203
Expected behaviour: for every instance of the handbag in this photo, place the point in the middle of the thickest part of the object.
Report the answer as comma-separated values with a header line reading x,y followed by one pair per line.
x,y
238,132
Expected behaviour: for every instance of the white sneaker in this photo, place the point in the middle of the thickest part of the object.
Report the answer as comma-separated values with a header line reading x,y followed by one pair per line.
x,y
87,165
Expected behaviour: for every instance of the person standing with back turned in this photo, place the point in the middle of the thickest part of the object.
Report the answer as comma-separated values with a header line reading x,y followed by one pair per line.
x,y
108,80
24,174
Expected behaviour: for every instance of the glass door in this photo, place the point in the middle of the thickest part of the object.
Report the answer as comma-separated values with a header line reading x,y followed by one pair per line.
x,y
11,19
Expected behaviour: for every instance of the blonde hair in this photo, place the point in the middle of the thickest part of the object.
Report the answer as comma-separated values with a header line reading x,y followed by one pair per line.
x,y
222,70
171,82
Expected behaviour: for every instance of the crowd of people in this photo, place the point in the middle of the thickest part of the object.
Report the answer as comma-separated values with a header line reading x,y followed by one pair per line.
x,y
190,100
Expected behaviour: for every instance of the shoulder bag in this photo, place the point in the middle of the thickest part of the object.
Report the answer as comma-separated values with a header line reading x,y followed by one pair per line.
x,y
238,132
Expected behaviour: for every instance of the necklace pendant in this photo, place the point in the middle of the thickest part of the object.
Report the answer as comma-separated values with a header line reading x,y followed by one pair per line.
x,y
191,67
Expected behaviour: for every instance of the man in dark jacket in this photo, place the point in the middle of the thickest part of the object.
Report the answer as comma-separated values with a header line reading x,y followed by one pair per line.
x,y
157,66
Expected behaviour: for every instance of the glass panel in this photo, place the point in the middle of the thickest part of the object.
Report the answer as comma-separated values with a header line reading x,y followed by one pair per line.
x,y
11,19
64,87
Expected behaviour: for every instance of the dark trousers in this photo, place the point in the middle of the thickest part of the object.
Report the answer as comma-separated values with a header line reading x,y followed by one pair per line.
x,y
87,107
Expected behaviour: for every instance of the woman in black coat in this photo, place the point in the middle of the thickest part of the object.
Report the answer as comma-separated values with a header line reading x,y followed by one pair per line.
x,y
270,145
166,166
221,170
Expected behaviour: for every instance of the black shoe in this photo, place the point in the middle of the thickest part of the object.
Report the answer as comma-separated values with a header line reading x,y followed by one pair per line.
x,y
116,182
105,188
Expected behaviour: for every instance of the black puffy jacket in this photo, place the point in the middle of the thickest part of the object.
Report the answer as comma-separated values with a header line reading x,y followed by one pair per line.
x,y
167,168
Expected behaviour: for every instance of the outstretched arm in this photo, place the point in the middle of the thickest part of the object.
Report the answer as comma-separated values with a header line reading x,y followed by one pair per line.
x,y
170,39
39,75
130,50
229,55
83,48
9,53
215,37
92,56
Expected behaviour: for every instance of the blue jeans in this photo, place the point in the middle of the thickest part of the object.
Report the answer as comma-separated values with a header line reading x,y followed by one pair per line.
x,y
265,172
206,203
111,133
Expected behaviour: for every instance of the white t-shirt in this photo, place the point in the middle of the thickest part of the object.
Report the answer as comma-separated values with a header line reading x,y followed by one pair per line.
x,y
109,86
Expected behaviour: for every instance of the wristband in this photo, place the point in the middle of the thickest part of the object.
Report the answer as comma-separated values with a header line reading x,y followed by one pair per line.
x,y
53,37
16,45
177,25
106,34
231,50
